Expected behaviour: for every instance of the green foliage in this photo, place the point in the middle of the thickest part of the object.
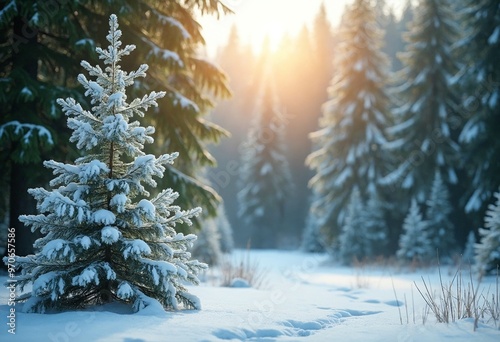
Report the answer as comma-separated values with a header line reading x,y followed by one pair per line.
x,y
106,238
352,129
41,44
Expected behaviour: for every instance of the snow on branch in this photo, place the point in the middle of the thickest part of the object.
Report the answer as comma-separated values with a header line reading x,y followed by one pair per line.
x,y
26,132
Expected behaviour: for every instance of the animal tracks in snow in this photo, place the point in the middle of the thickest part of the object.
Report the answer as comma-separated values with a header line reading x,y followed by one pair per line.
x,y
291,328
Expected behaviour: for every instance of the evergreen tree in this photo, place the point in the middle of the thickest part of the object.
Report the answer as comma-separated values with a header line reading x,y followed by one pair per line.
x,y
414,243
298,53
225,231
313,240
423,139
207,246
323,45
481,109
265,174
353,121
105,239
440,227
41,44
468,255
235,115
487,257
375,226
353,243
39,48
214,239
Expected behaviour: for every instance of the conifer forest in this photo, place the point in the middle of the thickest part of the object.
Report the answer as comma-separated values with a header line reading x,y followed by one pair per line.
x,y
157,156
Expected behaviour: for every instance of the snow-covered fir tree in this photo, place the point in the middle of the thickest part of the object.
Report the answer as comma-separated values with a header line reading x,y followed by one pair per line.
x,y
440,227
414,243
468,254
42,44
106,238
423,139
352,126
313,240
225,231
353,243
375,226
214,239
265,175
481,104
207,246
487,258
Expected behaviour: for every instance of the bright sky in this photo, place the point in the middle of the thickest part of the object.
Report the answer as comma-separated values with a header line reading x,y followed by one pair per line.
x,y
257,19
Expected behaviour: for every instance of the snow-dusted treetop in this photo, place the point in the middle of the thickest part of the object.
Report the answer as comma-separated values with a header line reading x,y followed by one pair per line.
x,y
106,240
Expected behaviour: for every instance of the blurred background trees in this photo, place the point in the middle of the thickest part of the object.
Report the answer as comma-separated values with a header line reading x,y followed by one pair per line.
x,y
442,84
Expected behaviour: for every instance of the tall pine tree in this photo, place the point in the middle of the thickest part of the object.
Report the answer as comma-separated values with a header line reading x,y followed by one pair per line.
x,y
40,46
352,126
481,105
265,174
106,238
423,137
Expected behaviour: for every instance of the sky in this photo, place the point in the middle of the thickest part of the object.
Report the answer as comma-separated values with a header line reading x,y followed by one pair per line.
x,y
257,19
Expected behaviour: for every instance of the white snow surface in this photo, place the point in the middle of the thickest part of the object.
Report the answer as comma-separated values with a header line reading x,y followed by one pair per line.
x,y
302,299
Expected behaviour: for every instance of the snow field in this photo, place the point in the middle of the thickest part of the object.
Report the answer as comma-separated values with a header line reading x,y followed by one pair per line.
x,y
303,299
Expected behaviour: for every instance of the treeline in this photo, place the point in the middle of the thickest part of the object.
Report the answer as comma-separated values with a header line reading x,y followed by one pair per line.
x,y
411,114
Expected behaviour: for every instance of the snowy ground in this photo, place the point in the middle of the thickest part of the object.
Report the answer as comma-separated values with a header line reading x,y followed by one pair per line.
x,y
303,299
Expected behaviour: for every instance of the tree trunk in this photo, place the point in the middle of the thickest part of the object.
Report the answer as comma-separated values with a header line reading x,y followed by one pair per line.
x,y
21,203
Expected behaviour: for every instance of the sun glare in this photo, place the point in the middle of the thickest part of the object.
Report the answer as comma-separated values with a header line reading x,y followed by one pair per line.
x,y
277,18
258,19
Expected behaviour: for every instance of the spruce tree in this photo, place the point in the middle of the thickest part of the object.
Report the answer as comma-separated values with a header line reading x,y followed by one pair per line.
x,y
207,246
106,238
414,243
265,174
487,258
438,212
481,103
468,254
224,230
214,239
352,126
41,44
353,243
375,226
313,239
423,139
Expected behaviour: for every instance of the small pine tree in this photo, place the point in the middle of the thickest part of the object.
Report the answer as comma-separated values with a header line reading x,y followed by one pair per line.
x,y
438,213
487,257
468,255
375,225
313,241
353,240
214,239
414,243
266,180
207,246
225,231
105,239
